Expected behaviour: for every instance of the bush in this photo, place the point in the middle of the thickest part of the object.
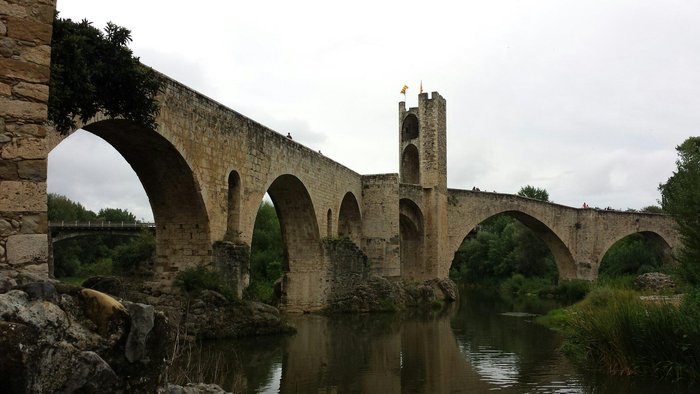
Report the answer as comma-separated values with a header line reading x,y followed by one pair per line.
x,y
102,267
612,330
194,280
571,291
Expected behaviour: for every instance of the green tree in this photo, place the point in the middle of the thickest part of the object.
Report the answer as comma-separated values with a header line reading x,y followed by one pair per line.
x,y
534,192
652,209
136,255
116,215
266,253
93,72
62,208
680,197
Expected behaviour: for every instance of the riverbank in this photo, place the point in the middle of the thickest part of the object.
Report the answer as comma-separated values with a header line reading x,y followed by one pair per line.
x,y
620,331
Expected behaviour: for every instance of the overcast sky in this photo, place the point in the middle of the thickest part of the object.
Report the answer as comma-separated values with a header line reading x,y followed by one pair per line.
x,y
586,99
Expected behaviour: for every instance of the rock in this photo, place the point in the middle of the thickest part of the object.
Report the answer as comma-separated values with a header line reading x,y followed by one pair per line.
x,y
40,291
654,281
106,284
12,302
141,325
90,374
445,289
106,312
196,388
7,283
212,298
15,344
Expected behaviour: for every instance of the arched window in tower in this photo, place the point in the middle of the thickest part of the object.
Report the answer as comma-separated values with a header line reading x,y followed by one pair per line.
x,y
409,131
410,169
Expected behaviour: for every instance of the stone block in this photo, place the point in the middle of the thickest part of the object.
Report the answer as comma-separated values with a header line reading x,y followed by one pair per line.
x,y
24,71
22,109
25,148
34,224
22,196
8,170
28,30
14,10
28,129
5,228
32,90
3,28
5,90
34,170
27,249
40,54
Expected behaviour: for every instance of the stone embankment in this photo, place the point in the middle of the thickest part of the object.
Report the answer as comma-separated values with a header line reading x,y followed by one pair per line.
x,y
379,294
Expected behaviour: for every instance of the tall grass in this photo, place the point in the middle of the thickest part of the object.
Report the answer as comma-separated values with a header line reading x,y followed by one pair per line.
x,y
613,331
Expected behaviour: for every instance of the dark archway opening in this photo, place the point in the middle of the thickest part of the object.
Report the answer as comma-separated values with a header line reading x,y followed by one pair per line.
x,y
234,207
409,130
412,235
410,165
350,219
636,254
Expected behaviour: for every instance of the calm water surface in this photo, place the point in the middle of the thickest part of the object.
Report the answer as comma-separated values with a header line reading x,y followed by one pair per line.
x,y
479,346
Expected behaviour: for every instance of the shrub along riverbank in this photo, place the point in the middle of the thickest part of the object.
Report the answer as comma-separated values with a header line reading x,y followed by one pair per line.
x,y
615,331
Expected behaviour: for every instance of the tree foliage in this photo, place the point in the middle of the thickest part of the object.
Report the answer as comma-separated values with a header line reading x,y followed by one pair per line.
x,y
266,253
634,254
534,192
94,71
500,248
680,197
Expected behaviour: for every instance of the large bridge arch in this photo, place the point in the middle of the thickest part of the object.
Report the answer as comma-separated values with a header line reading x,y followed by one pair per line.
x,y
174,193
303,264
562,255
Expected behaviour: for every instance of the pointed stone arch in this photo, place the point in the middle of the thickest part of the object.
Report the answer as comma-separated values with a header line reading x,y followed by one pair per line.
x,y
650,235
303,257
182,223
412,236
563,258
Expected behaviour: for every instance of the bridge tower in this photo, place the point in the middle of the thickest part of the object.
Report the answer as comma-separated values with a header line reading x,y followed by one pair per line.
x,y
423,187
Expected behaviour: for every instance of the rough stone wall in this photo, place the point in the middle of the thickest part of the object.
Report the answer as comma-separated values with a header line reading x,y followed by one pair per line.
x,y
25,55
347,265
380,223
578,238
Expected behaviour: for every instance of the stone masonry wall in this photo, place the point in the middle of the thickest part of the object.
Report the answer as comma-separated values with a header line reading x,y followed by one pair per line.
x,y
380,223
25,55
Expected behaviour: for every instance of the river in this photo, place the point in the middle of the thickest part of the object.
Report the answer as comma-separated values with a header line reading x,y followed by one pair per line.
x,y
483,344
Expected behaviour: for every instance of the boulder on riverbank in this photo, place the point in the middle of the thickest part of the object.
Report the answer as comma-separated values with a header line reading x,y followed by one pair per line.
x,y
654,281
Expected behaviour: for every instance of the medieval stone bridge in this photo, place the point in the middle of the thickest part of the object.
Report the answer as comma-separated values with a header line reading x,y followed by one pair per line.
x,y
206,169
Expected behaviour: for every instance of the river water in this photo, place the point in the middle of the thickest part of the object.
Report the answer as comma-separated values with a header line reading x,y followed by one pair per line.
x,y
484,344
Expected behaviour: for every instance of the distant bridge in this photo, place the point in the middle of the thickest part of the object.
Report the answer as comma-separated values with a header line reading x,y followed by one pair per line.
x,y
63,230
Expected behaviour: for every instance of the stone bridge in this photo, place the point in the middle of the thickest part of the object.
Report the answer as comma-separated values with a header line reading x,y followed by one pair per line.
x,y
206,169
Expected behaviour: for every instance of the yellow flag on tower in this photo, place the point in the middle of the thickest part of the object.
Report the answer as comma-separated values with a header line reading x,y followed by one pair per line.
x,y
403,89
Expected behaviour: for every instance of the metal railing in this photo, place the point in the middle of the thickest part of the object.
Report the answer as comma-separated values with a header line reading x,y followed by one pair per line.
x,y
69,224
